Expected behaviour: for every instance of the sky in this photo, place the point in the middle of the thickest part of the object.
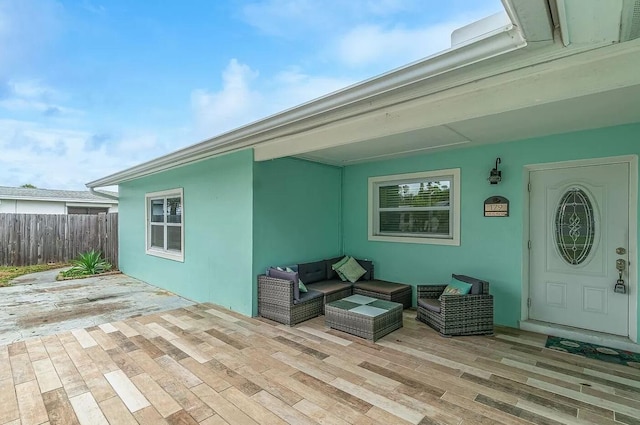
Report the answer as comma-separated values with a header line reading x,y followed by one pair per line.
x,y
89,88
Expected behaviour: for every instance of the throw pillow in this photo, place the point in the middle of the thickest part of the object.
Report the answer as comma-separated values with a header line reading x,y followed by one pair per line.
x,y
456,287
301,285
292,277
352,270
337,266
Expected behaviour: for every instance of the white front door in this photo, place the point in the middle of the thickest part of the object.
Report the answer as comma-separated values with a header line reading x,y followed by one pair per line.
x,y
579,227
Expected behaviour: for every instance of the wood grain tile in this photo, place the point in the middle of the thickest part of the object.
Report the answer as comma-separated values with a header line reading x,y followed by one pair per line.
x,y
30,403
59,408
128,392
208,365
87,410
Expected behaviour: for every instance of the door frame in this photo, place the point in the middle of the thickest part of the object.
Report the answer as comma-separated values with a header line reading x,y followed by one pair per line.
x,y
632,161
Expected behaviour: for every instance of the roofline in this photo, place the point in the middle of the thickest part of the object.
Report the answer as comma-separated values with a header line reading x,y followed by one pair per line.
x,y
40,198
500,41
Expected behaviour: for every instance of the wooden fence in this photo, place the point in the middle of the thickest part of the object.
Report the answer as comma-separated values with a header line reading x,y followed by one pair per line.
x,y
27,239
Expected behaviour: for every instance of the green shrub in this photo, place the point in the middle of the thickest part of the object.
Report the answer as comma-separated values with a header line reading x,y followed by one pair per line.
x,y
88,263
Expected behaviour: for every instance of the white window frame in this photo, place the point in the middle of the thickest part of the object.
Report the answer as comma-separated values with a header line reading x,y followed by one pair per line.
x,y
155,251
452,174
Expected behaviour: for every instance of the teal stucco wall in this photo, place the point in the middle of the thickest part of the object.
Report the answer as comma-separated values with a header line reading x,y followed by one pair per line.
x,y
297,212
218,226
491,248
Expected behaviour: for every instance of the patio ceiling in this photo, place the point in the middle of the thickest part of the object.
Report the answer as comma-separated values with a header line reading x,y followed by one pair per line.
x,y
587,90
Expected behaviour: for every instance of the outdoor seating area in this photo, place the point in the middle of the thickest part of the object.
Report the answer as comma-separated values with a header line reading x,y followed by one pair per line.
x,y
463,307
281,297
204,364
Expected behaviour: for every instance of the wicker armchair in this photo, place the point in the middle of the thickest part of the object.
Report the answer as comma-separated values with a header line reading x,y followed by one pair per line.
x,y
470,314
276,301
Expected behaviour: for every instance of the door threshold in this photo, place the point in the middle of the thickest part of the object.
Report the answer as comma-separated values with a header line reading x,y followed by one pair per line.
x,y
583,335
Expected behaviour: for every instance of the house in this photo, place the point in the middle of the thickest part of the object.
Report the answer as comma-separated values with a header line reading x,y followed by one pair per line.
x,y
552,89
19,200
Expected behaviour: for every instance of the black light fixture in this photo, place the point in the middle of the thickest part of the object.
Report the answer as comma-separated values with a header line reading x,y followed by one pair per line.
x,y
495,175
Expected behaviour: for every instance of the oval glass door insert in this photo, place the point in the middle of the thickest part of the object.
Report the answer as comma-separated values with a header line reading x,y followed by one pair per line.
x,y
575,226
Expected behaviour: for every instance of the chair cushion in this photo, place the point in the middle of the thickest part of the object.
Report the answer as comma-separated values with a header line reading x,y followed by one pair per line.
x,y
285,275
312,272
381,286
329,286
309,295
301,285
430,304
351,270
476,284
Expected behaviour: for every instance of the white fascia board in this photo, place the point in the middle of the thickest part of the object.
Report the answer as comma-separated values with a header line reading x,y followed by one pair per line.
x,y
89,204
504,40
31,198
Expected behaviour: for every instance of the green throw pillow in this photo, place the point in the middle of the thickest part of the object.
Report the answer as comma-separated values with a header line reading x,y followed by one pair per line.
x,y
301,286
352,270
456,287
336,267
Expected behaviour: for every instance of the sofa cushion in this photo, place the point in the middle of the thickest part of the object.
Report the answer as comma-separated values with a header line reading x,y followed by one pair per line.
x,y
430,304
329,286
301,285
331,274
351,270
476,284
381,286
312,272
292,277
309,295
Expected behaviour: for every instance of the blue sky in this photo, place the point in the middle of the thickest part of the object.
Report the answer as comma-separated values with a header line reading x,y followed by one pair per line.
x,y
88,88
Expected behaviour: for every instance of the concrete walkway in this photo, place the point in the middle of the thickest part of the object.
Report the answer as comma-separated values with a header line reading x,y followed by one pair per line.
x,y
38,305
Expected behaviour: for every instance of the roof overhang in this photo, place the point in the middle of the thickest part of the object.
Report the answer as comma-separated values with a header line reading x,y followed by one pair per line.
x,y
354,98
473,93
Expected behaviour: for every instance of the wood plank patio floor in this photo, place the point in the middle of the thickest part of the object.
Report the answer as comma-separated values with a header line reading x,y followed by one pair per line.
x,y
204,364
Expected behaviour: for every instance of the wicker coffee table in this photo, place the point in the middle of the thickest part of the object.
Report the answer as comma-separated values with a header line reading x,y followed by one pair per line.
x,y
364,316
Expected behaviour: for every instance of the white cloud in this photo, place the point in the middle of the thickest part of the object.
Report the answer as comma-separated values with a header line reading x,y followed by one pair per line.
x,y
58,158
235,104
372,44
295,87
290,18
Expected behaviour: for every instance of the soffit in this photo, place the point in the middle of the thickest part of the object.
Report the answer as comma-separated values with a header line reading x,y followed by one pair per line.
x,y
580,92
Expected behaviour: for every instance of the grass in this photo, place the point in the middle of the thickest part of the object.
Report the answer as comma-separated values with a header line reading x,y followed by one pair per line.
x,y
8,273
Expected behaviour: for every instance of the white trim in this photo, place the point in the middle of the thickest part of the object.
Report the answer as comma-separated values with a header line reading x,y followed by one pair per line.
x,y
89,205
156,252
45,199
632,161
454,199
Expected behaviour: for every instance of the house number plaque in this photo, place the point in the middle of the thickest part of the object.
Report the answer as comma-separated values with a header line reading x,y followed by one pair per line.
x,y
496,206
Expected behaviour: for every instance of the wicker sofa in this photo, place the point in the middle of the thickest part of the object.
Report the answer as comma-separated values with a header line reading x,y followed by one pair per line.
x,y
278,299
470,314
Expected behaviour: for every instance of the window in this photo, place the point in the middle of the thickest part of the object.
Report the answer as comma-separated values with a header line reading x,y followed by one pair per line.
x,y
164,224
416,208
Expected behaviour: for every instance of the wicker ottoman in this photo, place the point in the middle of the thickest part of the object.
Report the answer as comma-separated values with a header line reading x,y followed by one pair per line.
x,y
363,316
390,291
